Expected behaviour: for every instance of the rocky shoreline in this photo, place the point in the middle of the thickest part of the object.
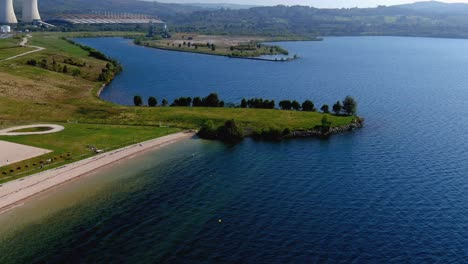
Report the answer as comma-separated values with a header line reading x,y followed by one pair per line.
x,y
325,133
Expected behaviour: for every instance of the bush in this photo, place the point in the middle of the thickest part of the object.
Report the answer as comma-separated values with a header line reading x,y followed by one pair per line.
x,y
137,101
208,130
230,132
152,101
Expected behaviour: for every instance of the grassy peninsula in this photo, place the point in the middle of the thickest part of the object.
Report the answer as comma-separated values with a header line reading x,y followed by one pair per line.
x,y
221,45
43,92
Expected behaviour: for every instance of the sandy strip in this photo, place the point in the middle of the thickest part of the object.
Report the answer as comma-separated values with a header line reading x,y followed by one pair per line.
x,y
17,191
13,152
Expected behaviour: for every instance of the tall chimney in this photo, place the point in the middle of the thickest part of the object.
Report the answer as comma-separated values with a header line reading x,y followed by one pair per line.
x,y
7,14
30,11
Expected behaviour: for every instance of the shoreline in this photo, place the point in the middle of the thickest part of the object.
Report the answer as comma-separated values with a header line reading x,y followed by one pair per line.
x,y
17,192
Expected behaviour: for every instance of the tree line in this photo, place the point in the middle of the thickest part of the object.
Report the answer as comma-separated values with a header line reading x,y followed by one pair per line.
x,y
348,106
212,100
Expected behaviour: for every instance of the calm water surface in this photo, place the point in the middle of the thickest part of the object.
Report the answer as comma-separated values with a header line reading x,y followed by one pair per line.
x,y
395,191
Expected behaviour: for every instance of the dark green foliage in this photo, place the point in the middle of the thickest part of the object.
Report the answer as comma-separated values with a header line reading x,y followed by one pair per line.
x,y
211,100
325,109
325,122
308,105
31,62
137,101
273,134
285,105
295,105
164,102
43,64
76,72
243,103
350,105
197,101
182,101
152,101
230,132
208,130
65,69
337,107
260,103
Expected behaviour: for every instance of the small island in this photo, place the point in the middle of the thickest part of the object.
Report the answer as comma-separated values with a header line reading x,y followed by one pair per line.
x,y
222,45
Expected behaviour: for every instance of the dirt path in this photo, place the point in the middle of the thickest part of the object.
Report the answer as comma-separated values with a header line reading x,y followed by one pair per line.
x,y
8,131
23,43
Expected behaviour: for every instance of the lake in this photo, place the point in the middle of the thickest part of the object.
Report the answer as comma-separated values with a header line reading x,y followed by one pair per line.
x,y
395,191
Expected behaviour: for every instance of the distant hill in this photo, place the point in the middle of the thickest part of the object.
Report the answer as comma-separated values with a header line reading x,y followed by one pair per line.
x,y
163,10
221,6
437,7
425,19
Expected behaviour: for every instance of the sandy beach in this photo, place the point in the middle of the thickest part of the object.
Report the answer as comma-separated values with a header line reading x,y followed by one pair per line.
x,y
18,191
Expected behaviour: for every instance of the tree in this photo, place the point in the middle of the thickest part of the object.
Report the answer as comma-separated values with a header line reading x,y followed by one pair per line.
x,y
197,102
164,102
65,69
152,101
211,100
350,105
137,101
337,108
295,105
243,103
213,47
325,109
308,105
285,105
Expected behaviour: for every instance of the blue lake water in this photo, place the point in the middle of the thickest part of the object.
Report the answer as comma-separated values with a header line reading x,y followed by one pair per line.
x,y
395,191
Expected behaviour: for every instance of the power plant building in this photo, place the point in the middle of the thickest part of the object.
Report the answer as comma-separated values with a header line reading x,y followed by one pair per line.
x,y
7,12
30,11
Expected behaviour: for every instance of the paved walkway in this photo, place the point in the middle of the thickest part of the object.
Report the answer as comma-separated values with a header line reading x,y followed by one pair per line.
x,y
23,44
7,132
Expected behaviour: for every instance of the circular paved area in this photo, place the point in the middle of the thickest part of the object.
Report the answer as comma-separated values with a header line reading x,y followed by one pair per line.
x,y
7,132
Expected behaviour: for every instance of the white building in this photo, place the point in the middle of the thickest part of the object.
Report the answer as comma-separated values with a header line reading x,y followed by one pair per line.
x,y
5,29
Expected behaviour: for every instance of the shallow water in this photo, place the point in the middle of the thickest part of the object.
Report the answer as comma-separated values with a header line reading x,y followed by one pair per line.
x,y
394,191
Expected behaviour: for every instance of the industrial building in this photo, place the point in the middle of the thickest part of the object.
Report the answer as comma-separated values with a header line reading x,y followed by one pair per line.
x,y
30,12
7,13
104,18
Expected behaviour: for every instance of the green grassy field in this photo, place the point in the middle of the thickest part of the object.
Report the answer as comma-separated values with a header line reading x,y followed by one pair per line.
x,y
32,94
10,52
72,144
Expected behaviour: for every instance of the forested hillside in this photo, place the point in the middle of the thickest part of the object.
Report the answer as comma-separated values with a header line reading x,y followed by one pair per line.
x,y
428,19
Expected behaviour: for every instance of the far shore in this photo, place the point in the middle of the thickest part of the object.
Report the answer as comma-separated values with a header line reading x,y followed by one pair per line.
x,y
16,192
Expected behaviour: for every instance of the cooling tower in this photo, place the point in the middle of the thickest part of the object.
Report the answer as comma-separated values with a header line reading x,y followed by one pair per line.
x,y
30,11
7,14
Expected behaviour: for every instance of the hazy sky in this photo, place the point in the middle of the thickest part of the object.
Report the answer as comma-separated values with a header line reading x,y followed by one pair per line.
x,y
315,3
